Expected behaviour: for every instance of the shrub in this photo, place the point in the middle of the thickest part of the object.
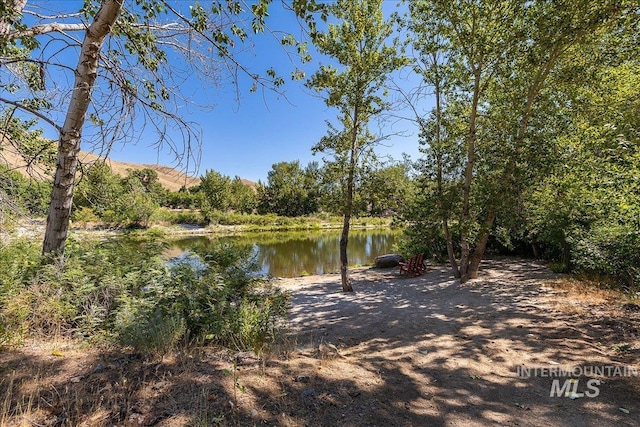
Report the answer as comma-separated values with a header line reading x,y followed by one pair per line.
x,y
178,217
610,251
19,260
123,291
422,238
151,332
228,304
85,215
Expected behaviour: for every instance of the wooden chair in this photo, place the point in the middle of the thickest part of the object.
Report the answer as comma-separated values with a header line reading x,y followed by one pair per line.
x,y
414,266
420,265
407,267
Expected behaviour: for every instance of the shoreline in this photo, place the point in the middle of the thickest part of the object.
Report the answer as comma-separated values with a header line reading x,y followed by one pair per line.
x,y
35,229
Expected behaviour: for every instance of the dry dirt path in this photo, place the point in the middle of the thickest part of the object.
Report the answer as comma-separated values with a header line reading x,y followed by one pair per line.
x,y
411,352
428,351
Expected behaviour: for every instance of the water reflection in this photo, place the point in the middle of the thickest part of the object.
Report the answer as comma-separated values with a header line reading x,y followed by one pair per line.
x,y
291,254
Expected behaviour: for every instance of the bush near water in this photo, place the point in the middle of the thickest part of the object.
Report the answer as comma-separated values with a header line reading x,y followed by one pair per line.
x,y
121,292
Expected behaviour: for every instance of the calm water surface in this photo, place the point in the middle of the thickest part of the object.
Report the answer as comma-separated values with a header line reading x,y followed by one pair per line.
x,y
291,254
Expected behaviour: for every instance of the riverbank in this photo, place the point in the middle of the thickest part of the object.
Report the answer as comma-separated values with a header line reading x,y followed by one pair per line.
x,y
34,228
398,351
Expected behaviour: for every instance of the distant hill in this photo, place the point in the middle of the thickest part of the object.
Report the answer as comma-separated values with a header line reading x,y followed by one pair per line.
x,y
170,178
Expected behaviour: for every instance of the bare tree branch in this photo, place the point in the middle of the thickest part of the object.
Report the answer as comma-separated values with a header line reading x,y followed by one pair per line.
x,y
36,113
53,27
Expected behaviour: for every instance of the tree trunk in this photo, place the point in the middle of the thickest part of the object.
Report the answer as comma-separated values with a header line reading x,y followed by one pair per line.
x,y
481,246
344,237
465,217
450,252
71,133
348,208
536,249
444,216
344,240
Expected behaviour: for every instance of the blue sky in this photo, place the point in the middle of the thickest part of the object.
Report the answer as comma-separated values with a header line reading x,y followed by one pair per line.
x,y
246,138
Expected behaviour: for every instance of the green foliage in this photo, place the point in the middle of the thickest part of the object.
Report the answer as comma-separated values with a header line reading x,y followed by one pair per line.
x,y
610,251
19,262
130,201
243,198
98,189
164,215
122,291
256,222
146,180
225,304
147,331
219,193
585,211
427,240
27,143
85,215
507,148
30,195
214,192
133,209
386,190
290,190
182,199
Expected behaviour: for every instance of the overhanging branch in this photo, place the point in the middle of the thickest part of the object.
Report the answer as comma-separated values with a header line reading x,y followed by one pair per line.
x,y
32,111
53,27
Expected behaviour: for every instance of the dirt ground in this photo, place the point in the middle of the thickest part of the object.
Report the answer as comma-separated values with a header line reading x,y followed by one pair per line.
x,y
421,351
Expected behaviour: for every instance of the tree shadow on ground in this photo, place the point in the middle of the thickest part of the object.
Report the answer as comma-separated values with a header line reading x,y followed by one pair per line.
x,y
424,351
450,354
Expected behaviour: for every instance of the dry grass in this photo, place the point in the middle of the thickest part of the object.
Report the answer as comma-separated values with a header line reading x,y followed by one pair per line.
x,y
586,291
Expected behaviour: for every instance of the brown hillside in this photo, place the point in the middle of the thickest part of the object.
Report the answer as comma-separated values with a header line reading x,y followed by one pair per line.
x,y
170,178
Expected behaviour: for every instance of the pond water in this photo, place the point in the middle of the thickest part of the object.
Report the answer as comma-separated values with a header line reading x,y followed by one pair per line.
x,y
292,254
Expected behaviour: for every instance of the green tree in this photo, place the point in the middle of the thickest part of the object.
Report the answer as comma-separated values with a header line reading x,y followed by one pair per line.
x,y
585,211
215,193
496,59
141,51
20,195
182,199
243,198
35,156
289,190
358,43
148,179
385,189
98,189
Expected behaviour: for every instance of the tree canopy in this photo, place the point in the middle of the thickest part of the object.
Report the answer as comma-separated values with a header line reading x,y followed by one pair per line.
x,y
103,73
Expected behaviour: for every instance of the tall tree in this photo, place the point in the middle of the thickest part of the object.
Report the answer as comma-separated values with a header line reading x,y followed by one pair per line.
x,y
433,64
215,190
499,56
359,42
71,131
289,191
127,68
585,208
243,197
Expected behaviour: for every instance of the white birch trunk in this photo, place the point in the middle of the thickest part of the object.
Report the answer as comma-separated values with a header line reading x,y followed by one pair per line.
x,y
71,133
